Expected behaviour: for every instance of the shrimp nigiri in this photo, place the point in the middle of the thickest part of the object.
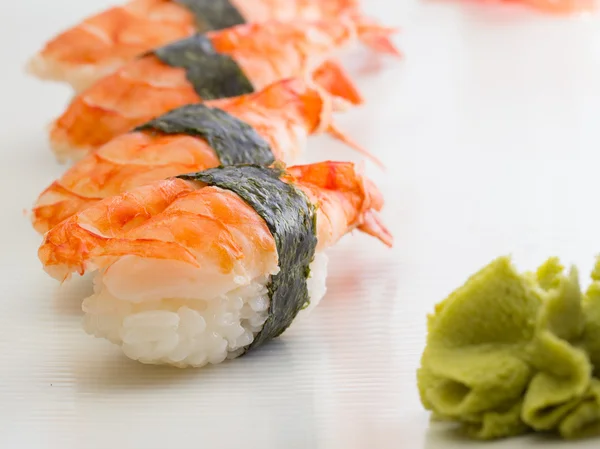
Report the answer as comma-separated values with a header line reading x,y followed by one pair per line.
x,y
203,267
560,6
104,42
284,115
225,63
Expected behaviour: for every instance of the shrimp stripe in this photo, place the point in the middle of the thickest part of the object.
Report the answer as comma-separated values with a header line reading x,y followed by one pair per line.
x,y
213,75
213,14
291,218
234,141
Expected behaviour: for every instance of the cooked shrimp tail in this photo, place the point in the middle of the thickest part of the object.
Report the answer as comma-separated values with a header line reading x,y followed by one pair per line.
x,y
375,36
316,103
344,178
373,226
381,44
332,76
334,132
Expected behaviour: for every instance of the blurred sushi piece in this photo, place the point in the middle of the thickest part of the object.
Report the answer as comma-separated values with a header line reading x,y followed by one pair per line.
x,y
259,128
104,42
219,64
560,7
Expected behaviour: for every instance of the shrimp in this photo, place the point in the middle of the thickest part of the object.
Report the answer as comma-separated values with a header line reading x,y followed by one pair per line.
x,y
147,87
104,42
186,270
284,114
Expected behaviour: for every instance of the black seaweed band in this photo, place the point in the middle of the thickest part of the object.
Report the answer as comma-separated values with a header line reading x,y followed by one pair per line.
x,y
291,218
234,141
213,75
213,14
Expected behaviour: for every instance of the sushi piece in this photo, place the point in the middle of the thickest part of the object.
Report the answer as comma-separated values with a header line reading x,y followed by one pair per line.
x,y
226,63
258,128
207,266
560,6
104,42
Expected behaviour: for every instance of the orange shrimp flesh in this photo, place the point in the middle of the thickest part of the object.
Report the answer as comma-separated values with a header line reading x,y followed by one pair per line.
x,y
188,222
284,114
147,88
563,6
557,7
139,92
102,43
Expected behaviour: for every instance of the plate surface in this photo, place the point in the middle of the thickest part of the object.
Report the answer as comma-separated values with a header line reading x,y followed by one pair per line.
x,y
489,128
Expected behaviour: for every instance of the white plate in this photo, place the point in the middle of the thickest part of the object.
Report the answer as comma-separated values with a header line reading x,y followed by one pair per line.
x,y
490,131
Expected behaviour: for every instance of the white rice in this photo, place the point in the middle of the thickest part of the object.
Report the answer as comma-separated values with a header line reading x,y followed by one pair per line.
x,y
164,325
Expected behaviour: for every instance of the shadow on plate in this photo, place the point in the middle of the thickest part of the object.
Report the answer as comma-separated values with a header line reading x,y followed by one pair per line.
x,y
111,370
448,436
268,392
442,435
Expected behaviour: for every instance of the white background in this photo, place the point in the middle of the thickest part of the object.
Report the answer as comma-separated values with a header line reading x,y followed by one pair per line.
x,y
490,131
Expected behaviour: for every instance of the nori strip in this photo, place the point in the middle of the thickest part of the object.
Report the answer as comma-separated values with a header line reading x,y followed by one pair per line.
x,y
213,14
213,75
234,141
291,218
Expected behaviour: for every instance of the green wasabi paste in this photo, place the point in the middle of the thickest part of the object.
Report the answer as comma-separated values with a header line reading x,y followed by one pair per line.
x,y
511,353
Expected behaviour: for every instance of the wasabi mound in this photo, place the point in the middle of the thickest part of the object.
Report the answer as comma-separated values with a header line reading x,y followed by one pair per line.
x,y
511,353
